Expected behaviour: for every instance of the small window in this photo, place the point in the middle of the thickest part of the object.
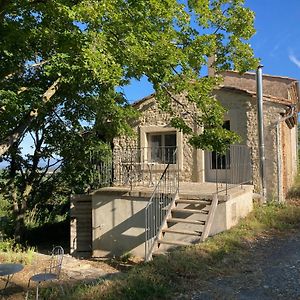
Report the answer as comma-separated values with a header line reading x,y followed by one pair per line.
x,y
161,147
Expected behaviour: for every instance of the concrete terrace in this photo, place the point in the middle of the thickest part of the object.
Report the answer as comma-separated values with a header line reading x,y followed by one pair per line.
x,y
189,190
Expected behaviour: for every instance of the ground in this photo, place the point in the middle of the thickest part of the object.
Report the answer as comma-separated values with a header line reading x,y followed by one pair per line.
x,y
268,268
73,270
271,271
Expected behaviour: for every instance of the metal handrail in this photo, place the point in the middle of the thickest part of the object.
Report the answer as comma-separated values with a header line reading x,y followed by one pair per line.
x,y
232,169
157,208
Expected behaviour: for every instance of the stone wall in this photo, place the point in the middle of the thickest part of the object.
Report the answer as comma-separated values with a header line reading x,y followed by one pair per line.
x,y
190,160
271,116
272,85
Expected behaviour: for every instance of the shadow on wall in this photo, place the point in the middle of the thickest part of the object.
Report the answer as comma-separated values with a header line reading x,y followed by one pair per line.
x,y
118,224
123,238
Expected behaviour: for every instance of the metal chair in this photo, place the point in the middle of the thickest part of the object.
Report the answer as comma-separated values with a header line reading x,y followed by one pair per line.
x,y
51,273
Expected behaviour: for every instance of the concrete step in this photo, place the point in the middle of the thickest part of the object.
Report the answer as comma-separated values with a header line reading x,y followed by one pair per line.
x,y
177,243
159,252
188,221
179,231
257,196
188,201
190,211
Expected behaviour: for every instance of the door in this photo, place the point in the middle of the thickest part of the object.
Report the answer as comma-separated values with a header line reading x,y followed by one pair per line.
x,y
217,166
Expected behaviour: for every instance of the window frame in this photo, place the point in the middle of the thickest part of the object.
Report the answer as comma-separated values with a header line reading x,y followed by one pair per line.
x,y
162,157
153,129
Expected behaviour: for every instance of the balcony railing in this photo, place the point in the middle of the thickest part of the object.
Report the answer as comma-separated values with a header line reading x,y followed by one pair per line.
x,y
229,169
133,166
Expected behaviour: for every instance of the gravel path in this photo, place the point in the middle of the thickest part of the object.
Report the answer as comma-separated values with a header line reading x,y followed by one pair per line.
x,y
271,271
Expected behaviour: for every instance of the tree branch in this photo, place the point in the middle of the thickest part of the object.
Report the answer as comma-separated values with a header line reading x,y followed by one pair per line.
x,y
51,91
19,130
179,103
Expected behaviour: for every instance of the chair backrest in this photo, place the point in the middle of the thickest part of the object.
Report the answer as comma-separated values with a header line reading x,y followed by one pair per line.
x,y
56,260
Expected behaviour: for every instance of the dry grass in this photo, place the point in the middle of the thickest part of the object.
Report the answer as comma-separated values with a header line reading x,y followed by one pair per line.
x,y
11,252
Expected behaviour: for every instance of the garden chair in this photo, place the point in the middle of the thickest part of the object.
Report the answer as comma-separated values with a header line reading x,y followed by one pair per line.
x,y
51,273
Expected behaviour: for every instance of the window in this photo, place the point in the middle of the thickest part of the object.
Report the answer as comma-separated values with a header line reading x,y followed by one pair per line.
x,y
221,161
161,147
164,141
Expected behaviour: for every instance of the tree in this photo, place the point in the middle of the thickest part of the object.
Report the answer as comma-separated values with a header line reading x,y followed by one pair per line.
x,y
63,61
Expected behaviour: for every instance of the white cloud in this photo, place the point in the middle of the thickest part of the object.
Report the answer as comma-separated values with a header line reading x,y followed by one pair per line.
x,y
294,60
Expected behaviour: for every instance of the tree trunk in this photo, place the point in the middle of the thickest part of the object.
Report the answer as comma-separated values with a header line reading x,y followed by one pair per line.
x,y
20,211
14,136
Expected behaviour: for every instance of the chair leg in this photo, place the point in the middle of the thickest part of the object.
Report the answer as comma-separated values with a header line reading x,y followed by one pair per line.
x,y
7,281
62,289
37,292
27,292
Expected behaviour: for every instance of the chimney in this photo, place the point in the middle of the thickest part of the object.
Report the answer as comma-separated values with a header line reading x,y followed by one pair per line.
x,y
210,65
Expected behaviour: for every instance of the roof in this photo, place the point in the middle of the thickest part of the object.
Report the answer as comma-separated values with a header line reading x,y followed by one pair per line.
x,y
141,101
277,89
264,75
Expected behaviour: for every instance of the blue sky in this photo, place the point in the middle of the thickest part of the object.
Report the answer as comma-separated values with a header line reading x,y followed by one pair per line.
x,y
277,38
276,42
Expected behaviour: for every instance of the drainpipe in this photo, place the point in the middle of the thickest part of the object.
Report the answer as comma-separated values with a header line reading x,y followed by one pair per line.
x,y
260,122
279,171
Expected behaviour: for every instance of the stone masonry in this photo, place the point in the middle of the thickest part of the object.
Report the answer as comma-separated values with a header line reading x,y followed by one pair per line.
x,y
238,96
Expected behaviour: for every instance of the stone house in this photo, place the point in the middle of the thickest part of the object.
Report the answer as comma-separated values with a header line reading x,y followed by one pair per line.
x,y
238,96
193,193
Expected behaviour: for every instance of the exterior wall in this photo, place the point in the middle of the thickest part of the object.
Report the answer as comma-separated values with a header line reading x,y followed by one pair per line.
x,y
153,119
242,113
272,85
118,222
81,225
270,116
236,105
287,150
229,212
289,156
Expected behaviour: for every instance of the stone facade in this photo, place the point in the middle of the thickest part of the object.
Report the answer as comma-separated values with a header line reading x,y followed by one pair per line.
x,y
152,119
238,96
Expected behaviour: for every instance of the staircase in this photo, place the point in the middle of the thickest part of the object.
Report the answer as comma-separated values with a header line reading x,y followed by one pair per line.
x,y
188,221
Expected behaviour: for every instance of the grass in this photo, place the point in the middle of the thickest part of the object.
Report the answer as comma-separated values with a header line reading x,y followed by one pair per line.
x,y
182,268
12,252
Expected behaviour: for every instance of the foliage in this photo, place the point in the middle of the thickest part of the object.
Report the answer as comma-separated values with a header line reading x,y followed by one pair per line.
x,y
63,64
12,252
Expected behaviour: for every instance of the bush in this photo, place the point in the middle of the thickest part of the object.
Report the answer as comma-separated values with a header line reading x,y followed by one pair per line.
x,y
12,252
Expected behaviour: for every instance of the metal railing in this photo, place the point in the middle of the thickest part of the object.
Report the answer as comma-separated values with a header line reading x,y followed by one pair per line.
x,y
132,166
156,211
230,169
141,166
101,172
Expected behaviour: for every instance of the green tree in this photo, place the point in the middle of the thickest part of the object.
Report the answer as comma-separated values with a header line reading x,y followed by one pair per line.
x,y
63,62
